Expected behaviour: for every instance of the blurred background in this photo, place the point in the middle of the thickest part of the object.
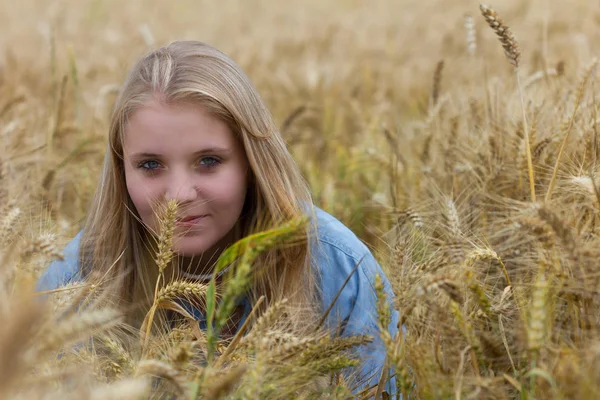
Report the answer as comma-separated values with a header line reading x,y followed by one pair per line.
x,y
335,74
407,121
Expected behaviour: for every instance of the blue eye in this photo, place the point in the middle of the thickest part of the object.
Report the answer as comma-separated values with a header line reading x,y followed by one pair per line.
x,y
209,162
149,165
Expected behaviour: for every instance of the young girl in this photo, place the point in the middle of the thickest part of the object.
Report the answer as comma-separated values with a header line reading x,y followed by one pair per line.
x,y
189,126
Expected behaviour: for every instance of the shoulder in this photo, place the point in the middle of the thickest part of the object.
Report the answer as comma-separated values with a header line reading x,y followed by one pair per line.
x,y
332,232
346,271
62,272
338,250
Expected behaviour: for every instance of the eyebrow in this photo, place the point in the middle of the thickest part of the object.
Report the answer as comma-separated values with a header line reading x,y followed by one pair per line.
x,y
209,150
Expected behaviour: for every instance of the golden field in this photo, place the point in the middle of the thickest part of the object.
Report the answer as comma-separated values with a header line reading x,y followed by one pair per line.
x,y
408,122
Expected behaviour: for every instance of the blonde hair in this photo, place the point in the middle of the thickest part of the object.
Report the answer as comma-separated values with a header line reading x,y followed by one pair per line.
x,y
114,243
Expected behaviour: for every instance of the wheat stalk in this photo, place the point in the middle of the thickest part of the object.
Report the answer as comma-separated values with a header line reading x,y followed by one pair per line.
x,y
165,371
226,382
392,345
437,83
247,250
78,326
513,53
45,244
560,228
452,217
265,321
466,328
256,375
483,254
118,355
538,313
578,98
480,296
470,34
8,223
179,289
327,347
444,284
181,355
164,254
509,43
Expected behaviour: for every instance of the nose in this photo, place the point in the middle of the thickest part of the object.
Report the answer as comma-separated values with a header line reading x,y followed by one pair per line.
x,y
181,189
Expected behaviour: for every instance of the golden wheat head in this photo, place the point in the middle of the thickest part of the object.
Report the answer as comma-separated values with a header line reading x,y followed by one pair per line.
x,y
509,43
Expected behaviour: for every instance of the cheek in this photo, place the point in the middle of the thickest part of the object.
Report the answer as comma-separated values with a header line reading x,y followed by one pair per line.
x,y
231,190
142,196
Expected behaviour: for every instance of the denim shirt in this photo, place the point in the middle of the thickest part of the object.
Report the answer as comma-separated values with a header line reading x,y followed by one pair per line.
x,y
335,253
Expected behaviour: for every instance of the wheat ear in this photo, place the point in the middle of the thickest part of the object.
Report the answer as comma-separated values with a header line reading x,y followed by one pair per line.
x,y
164,256
437,83
470,35
77,326
165,371
578,98
513,53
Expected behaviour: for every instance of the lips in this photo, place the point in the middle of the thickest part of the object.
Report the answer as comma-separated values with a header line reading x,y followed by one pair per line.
x,y
190,220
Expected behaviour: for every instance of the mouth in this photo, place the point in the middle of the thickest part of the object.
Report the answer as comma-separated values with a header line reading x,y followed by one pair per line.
x,y
190,220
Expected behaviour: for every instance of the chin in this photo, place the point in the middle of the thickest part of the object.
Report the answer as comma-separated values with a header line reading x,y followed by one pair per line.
x,y
188,247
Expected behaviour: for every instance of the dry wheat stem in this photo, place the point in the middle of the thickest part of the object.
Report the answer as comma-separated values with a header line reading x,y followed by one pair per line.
x,y
527,141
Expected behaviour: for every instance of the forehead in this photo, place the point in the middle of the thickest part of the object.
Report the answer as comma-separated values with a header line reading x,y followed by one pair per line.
x,y
158,128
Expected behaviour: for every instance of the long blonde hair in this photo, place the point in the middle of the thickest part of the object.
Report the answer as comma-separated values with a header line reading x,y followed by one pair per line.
x,y
114,241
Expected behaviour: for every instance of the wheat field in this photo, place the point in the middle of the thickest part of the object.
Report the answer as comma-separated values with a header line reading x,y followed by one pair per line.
x,y
471,173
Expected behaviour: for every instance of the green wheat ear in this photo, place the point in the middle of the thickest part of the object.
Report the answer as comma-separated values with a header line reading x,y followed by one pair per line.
x,y
240,256
211,302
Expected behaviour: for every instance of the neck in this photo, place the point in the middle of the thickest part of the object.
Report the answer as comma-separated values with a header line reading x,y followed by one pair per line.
x,y
201,266
202,277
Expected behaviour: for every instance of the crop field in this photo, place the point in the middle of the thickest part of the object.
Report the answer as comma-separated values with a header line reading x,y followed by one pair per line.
x,y
459,142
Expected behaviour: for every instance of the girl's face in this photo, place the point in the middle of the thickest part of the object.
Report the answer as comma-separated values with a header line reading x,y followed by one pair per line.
x,y
183,152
